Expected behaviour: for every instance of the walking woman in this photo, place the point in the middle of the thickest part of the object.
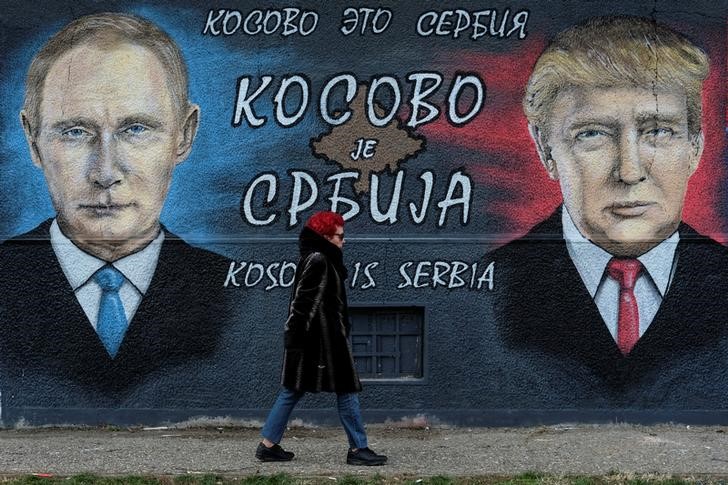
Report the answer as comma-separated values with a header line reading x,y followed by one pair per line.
x,y
317,355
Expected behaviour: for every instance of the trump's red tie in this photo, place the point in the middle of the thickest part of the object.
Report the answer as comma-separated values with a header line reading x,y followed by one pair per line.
x,y
626,271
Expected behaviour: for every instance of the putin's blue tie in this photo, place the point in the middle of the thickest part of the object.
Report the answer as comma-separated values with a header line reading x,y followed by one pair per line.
x,y
111,324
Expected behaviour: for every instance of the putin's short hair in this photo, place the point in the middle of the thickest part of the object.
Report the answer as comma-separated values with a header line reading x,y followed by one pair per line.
x,y
106,30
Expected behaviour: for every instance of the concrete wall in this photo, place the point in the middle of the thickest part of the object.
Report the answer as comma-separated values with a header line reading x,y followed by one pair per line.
x,y
504,342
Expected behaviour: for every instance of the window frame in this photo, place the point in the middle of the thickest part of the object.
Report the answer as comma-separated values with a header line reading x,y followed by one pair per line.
x,y
367,305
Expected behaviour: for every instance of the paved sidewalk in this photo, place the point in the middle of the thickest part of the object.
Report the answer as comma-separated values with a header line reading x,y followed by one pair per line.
x,y
561,450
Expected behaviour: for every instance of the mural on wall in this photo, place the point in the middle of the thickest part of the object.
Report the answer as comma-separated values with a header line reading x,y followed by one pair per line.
x,y
545,183
613,286
101,299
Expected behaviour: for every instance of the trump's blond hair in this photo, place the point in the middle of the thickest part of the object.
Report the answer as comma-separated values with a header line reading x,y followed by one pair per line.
x,y
617,51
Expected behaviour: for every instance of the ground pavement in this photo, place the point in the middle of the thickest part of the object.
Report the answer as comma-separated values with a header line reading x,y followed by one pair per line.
x,y
426,451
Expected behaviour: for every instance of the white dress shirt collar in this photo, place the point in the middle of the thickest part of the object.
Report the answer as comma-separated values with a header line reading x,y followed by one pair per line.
x,y
591,260
79,266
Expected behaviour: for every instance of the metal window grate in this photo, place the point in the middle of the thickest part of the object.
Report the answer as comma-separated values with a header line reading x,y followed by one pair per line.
x,y
387,342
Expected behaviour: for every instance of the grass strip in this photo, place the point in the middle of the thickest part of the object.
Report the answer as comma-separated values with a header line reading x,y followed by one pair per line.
x,y
530,478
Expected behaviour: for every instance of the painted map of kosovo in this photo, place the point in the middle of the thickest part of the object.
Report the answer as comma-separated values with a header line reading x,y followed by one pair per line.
x,y
394,144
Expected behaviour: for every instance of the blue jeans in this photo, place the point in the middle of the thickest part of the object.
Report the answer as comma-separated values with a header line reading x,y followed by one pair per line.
x,y
349,414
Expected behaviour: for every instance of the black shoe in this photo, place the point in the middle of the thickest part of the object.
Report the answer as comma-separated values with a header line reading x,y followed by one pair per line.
x,y
274,453
366,457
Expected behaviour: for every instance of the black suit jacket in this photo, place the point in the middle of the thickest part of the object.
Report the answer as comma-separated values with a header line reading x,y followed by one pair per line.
x,y
552,332
171,356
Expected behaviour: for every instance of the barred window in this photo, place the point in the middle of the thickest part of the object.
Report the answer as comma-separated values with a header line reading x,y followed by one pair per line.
x,y
387,341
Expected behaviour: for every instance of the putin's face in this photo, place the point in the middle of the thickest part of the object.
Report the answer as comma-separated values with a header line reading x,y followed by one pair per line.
x,y
623,157
108,140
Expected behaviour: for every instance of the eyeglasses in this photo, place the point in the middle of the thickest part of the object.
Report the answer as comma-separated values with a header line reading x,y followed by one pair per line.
x,y
340,235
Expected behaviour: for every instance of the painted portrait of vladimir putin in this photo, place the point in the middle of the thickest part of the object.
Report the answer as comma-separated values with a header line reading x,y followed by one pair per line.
x,y
613,300
103,307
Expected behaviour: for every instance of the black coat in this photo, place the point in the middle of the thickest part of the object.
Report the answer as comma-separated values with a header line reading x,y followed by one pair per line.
x,y
173,356
317,356
566,357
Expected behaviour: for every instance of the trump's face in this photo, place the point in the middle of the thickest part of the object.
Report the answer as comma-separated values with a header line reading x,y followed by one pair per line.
x,y
108,140
623,157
